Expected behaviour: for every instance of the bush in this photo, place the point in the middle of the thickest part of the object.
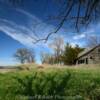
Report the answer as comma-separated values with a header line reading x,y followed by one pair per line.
x,y
48,84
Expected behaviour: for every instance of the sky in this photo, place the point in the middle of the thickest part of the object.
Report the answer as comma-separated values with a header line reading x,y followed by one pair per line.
x,y
21,25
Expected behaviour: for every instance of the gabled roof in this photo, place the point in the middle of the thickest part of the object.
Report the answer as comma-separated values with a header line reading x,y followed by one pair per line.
x,y
87,50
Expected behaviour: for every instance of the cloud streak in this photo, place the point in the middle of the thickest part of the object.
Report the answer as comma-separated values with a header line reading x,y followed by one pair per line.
x,y
19,33
25,34
93,31
77,37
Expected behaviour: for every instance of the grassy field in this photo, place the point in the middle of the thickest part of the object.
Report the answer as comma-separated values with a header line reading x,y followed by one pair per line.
x,y
51,83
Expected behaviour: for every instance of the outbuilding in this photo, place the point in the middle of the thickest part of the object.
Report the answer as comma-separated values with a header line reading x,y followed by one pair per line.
x,y
89,56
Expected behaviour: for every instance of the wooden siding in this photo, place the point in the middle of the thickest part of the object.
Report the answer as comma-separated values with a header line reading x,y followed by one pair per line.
x,y
92,57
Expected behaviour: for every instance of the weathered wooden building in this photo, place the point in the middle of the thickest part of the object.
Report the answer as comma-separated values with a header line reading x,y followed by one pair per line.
x,y
89,56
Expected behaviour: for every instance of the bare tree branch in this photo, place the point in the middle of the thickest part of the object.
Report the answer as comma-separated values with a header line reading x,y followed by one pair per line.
x,y
60,25
78,14
81,12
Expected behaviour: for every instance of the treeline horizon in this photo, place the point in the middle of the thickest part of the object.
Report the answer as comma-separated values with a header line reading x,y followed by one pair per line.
x,y
63,56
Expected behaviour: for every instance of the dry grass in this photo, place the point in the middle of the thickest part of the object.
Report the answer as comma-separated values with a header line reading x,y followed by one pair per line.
x,y
33,66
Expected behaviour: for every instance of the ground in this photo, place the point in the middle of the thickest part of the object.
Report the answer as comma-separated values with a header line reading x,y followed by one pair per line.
x,y
63,82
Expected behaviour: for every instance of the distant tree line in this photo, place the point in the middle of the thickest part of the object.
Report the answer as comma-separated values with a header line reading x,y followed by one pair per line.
x,y
65,54
67,57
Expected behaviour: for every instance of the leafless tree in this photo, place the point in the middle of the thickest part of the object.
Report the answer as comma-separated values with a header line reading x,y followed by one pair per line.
x,y
42,57
30,56
58,46
46,58
24,55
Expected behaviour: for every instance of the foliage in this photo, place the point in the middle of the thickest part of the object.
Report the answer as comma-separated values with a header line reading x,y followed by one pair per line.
x,y
70,54
67,56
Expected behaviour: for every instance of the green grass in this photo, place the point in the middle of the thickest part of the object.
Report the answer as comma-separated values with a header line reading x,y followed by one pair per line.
x,y
72,83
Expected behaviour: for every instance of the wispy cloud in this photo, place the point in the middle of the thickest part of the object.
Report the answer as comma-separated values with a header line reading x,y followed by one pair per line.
x,y
80,36
37,25
19,33
92,31
25,34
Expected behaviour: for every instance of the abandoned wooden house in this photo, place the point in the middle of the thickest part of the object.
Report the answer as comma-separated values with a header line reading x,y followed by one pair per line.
x,y
89,56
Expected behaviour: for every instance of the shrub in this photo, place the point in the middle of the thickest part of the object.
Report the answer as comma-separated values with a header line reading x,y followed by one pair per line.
x,y
48,84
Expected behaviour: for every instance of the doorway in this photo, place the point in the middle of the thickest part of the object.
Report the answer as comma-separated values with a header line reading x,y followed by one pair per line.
x,y
86,60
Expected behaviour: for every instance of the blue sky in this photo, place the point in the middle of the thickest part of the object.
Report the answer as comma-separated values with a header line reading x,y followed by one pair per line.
x,y
20,26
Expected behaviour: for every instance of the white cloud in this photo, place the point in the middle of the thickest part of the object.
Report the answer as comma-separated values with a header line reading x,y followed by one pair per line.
x,y
19,33
73,44
80,36
25,34
85,34
89,31
37,25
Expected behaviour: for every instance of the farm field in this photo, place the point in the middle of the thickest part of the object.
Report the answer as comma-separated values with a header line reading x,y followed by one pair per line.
x,y
51,83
